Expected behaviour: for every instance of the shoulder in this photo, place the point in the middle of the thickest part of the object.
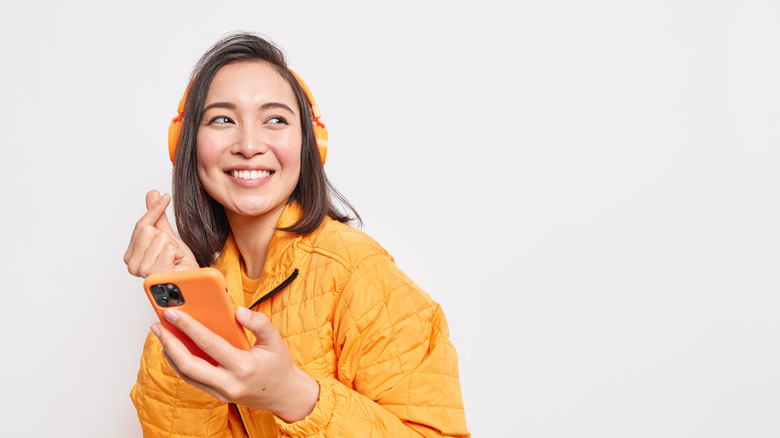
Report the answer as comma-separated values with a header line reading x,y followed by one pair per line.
x,y
343,243
370,279
373,280
369,270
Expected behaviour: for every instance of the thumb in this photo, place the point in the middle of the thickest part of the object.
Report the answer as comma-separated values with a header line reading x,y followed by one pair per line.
x,y
155,200
260,326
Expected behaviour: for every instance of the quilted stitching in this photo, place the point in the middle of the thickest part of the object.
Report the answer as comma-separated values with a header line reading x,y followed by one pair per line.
x,y
375,342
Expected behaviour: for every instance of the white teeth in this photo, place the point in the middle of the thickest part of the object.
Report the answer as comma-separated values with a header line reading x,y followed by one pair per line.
x,y
250,174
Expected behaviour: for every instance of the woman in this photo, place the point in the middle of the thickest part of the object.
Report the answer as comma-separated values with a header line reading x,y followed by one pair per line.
x,y
346,344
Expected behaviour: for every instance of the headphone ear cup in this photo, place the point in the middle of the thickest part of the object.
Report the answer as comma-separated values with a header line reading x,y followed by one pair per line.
x,y
321,136
174,131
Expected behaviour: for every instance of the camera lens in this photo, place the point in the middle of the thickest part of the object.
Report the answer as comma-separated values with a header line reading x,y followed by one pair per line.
x,y
175,295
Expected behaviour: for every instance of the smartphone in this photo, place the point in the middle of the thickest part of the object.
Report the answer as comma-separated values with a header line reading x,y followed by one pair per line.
x,y
202,294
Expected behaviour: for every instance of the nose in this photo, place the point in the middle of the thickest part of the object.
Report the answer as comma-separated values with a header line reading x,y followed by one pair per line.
x,y
250,141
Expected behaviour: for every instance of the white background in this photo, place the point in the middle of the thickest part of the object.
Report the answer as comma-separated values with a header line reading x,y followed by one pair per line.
x,y
589,189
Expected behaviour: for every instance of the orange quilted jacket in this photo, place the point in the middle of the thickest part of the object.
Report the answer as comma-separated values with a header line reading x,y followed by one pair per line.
x,y
377,345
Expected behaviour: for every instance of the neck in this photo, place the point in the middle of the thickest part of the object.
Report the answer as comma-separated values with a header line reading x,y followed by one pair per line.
x,y
253,236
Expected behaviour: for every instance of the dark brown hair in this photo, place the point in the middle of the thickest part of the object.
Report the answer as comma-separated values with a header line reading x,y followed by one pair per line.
x,y
200,219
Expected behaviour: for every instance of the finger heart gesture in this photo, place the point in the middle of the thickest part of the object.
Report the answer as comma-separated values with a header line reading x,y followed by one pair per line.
x,y
154,246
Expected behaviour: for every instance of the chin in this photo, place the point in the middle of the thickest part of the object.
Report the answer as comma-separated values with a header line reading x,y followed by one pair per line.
x,y
257,210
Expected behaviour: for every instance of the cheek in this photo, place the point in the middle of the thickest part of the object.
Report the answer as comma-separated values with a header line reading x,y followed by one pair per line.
x,y
289,156
207,153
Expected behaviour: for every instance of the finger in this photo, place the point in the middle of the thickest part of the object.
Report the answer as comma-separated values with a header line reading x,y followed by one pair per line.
x,y
161,255
154,197
173,365
155,213
149,219
211,343
184,363
145,247
142,237
203,387
256,322
174,349
181,359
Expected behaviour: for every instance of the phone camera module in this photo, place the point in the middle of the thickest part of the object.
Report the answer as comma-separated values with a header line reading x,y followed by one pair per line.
x,y
167,295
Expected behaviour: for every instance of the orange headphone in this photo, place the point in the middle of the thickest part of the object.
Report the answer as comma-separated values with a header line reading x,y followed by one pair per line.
x,y
320,132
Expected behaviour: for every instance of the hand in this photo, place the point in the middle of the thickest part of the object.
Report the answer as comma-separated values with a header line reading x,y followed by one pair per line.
x,y
154,246
263,377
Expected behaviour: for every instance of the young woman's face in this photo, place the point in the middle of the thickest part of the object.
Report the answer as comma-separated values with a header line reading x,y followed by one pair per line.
x,y
249,142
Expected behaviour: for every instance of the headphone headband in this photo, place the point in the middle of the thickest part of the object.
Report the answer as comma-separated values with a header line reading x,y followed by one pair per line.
x,y
320,131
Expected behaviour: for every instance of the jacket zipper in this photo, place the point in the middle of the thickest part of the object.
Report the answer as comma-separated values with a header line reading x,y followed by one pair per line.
x,y
240,418
277,289
266,297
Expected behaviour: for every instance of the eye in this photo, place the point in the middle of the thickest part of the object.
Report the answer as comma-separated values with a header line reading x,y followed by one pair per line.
x,y
276,120
220,120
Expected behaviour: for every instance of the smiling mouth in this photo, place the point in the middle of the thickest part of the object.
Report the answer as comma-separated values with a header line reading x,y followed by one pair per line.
x,y
250,174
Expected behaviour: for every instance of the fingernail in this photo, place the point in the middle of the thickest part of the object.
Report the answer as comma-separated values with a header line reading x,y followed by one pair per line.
x,y
155,330
243,312
170,315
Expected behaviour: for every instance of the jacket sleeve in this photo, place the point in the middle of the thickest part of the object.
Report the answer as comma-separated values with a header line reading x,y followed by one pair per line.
x,y
166,403
397,369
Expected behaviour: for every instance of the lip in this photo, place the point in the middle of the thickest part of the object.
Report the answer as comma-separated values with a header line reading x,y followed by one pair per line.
x,y
249,167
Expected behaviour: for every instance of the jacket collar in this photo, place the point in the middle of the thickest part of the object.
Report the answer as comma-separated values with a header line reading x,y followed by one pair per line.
x,y
279,262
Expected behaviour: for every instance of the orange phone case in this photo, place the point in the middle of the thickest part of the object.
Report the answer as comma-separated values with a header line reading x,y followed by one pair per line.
x,y
205,298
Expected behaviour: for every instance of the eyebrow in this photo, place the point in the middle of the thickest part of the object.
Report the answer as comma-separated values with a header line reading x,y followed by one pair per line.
x,y
265,106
